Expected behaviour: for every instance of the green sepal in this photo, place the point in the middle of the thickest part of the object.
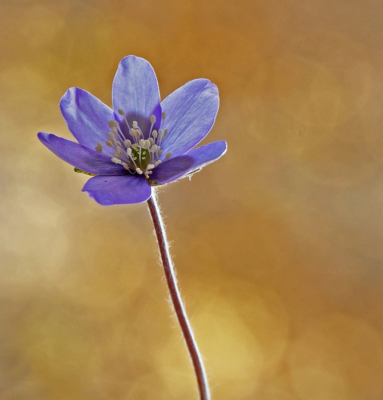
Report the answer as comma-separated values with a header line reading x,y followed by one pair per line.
x,y
152,183
80,171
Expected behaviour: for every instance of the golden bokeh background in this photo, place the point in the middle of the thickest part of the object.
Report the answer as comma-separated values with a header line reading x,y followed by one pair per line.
x,y
278,245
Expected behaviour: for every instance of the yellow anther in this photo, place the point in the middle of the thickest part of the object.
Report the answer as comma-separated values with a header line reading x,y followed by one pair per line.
x,y
109,143
168,155
113,123
121,112
152,119
163,115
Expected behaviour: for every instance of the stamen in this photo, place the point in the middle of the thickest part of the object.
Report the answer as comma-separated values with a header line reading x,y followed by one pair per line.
x,y
118,132
121,112
126,166
138,155
98,148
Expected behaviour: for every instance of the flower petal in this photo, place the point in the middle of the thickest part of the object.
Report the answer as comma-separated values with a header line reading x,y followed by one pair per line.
x,y
110,190
86,116
80,156
136,92
190,114
193,160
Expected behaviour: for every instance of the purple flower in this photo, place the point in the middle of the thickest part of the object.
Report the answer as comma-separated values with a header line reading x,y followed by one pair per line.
x,y
142,142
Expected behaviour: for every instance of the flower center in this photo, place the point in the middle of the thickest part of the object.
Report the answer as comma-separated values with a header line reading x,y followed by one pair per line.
x,y
136,154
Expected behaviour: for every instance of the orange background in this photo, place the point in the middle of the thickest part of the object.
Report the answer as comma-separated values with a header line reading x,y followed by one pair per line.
x,y
278,245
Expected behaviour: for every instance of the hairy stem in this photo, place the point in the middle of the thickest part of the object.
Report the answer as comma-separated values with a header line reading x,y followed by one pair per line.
x,y
176,298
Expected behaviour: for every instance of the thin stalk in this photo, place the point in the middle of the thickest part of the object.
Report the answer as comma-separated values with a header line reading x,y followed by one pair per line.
x,y
175,296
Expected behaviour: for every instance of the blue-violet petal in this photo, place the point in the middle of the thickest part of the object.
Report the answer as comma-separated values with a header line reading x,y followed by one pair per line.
x,y
110,190
136,92
80,156
195,159
86,117
190,114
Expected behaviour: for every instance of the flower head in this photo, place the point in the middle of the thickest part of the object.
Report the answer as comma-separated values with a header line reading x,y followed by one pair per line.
x,y
142,142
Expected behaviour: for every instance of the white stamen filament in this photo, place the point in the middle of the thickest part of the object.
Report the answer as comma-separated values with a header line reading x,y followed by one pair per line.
x,y
139,155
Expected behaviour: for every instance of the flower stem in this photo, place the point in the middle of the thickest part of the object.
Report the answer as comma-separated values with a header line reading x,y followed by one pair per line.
x,y
179,308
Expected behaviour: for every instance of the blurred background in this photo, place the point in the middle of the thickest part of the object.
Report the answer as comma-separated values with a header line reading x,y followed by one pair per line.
x,y
278,245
